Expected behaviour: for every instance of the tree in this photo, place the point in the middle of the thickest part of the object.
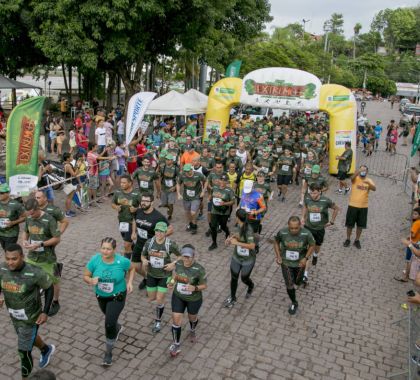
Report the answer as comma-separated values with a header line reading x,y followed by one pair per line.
x,y
335,24
356,30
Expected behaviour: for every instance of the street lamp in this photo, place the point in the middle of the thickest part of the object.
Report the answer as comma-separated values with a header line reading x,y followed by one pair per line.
x,y
304,25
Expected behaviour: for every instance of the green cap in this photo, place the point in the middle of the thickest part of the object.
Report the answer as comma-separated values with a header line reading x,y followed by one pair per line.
x,y
212,142
206,139
267,149
316,169
166,136
172,139
247,139
161,226
169,157
4,188
187,167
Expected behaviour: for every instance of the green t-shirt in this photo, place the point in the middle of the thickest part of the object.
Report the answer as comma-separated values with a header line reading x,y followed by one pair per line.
x,y
265,164
145,179
207,162
213,178
158,256
307,168
244,255
174,152
168,176
236,160
317,214
191,130
194,275
221,195
320,180
192,185
21,291
126,200
264,189
56,212
13,210
42,229
286,165
344,165
293,248
111,275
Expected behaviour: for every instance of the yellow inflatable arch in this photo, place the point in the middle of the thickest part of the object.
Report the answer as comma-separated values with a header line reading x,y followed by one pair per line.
x,y
291,89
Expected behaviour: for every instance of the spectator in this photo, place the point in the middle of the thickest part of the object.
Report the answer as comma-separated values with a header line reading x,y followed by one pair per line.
x,y
120,130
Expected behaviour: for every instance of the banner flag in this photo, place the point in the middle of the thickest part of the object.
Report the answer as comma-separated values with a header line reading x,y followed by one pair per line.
x,y
233,69
22,142
137,106
416,141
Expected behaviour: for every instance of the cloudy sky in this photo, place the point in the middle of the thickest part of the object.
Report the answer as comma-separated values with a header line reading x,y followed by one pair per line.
x,y
317,11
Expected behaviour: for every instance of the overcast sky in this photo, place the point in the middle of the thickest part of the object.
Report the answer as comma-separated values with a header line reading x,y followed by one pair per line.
x,y
318,11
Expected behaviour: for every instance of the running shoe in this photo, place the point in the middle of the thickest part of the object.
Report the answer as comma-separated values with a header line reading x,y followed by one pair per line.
x,y
174,349
300,204
293,308
193,337
213,247
346,190
107,359
357,244
44,360
229,302
169,217
157,327
200,217
70,214
416,360
346,243
208,233
142,284
314,260
283,199
188,228
339,191
305,281
417,344
55,307
249,292
120,330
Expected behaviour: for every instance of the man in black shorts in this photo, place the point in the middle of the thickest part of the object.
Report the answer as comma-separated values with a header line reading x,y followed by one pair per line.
x,y
344,165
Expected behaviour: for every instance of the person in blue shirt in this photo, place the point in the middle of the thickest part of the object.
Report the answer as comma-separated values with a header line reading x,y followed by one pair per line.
x,y
378,131
156,137
107,272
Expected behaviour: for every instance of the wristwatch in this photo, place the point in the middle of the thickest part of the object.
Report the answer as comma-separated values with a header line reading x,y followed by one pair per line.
x,y
42,244
196,288
331,222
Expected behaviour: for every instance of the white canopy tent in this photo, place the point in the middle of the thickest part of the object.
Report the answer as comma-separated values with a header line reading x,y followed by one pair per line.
x,y
174,103
198,97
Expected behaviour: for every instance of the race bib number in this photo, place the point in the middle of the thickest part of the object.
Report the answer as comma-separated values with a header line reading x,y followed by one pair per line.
x,y
297,155
314,216
244,252
285,168
40,249
144,184
156,262
124,227
304,155
3,222
307,170
265,170
169,182
142,233
182,289
217,201
18,314
292,255
279,150
106,287
191,193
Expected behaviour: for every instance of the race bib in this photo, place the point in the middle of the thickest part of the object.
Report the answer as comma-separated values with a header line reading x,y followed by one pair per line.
x,y
297,155
292,255
124,227
241,251
265,170
169,182
18,314
40,249
279,150
307,170
314,216
142,233
106,287
217,201
191,193
304,155
182,289
3,222
157,262
285,168
144,184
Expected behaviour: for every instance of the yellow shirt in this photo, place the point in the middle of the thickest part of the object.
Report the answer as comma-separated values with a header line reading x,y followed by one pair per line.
x,y
232,179
242,180
359,195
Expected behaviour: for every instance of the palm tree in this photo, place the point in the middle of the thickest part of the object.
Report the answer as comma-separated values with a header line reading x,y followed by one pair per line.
x,y
356,30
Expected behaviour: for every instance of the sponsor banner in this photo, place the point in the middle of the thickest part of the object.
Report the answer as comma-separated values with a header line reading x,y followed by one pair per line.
x,y
137,106
22,142
341,137
233,69
416,141
278,87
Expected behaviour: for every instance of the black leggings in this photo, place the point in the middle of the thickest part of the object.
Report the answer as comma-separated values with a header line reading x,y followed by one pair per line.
x,y
245,271
216,221
26,362
112,308
292,276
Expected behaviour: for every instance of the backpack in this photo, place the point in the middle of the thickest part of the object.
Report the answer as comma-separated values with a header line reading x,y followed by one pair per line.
x,y
167,244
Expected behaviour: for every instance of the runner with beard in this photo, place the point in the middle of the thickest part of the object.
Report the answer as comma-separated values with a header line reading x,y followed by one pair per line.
x,y
143,227
146,177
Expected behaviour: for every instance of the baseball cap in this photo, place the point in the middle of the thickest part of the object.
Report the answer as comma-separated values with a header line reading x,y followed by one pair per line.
x,y
166,136
206,139
162,124
172,139
267,149
187,167
163,154
248,186
193,117
212,142
188,147
169,157
161,226
247,139
187,251
4,188
223,177
316,169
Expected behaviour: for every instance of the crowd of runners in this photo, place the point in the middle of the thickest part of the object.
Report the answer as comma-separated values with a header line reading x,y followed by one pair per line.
x,y
228,182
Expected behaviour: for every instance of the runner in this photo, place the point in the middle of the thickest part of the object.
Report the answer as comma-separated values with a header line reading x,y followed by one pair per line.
x,y
212,180
193,190
126,201
147,177
344,164
21,284
168,176
188,282
12,214
143,228
286,164
107,271
315,218
156,260
222,198
248,174
265,164
243,258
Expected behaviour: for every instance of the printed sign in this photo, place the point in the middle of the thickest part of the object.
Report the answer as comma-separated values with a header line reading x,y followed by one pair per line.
x,y
341,137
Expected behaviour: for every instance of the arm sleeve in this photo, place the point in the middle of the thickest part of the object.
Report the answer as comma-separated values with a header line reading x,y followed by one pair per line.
x,y
49,295
261,202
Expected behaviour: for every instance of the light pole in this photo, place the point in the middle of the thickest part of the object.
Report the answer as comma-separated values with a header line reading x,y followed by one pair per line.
x,y
304,25
49,89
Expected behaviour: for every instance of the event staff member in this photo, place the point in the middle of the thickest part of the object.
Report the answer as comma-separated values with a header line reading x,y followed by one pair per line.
x,y
21,284
188,282
126,201
107,272
357,210
243,258
12,214
344,164
222,198
293,247
157,263
143,227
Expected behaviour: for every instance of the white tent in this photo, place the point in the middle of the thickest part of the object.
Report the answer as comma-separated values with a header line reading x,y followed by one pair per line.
x,y
174,103
197,96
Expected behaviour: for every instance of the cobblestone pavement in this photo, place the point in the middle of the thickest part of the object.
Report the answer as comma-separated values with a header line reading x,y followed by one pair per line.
x,y
341,331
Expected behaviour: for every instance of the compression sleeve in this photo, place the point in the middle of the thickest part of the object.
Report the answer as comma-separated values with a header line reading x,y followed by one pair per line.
x,y
49,295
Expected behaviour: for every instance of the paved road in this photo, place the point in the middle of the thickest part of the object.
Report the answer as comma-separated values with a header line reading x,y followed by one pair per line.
x,y
341,331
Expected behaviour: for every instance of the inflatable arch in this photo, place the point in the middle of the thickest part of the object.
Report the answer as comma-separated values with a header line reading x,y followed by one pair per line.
x,y
290,89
